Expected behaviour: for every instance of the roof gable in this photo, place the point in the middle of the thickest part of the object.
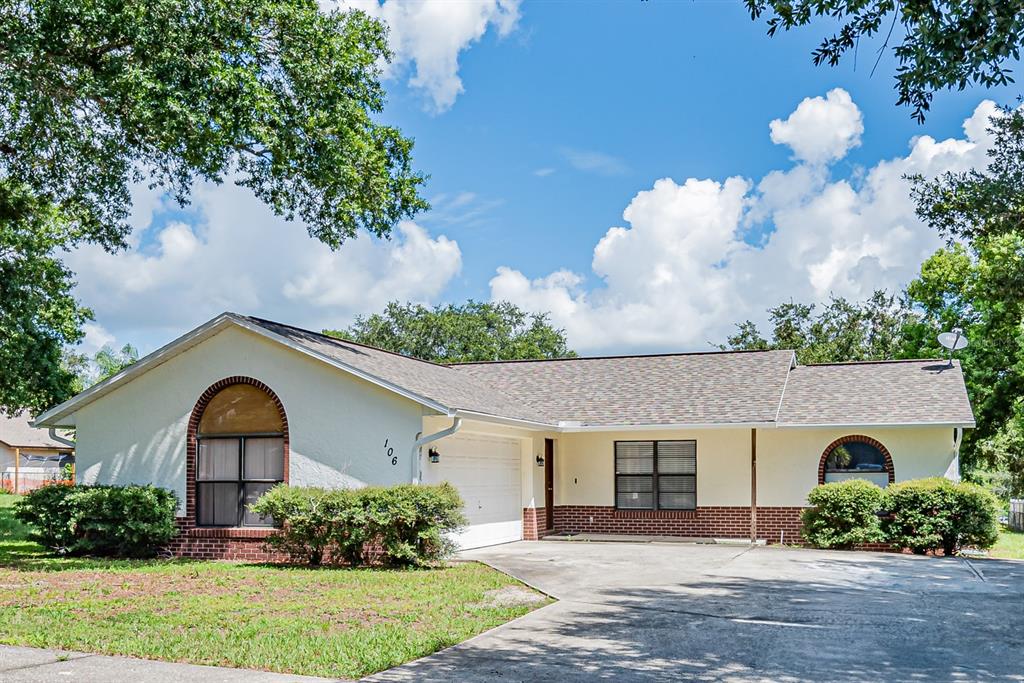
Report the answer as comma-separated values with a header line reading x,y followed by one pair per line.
x,y
877,393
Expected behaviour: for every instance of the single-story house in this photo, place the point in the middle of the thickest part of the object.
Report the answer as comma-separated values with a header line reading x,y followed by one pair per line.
x,y
717,444
29,456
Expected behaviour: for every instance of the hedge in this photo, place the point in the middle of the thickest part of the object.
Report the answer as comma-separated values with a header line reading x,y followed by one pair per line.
x,y
844,514
921,515
110,521
395,525
929,514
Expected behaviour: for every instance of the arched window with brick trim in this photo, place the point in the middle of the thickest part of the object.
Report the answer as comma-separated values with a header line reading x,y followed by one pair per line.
x,y
239,439
856,457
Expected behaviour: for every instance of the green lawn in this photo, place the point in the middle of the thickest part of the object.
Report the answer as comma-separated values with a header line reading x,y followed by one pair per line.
x,y
326,622
1009,546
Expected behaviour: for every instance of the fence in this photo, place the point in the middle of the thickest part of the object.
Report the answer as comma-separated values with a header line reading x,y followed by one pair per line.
x,y
1017,514
29,478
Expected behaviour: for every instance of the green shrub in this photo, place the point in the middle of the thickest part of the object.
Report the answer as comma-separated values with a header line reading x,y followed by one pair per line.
x,y
844,513
393,525
112,521
307,518
929,514
411,523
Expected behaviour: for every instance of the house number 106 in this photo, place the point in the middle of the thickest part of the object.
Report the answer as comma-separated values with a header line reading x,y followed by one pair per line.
x,y
389,452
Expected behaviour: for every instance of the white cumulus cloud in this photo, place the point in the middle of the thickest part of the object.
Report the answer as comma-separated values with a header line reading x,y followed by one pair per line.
x,y
685,268
236,255
427,36
822,129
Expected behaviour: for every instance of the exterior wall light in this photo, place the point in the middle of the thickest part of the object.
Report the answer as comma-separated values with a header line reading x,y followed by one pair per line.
x,y
540,461
434,456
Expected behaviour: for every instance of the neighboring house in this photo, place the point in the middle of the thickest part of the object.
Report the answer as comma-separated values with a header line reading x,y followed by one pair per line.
x,y
29,457
724,444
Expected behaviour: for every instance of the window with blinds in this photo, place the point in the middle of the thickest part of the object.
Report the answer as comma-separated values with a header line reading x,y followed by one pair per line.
x,y
656,475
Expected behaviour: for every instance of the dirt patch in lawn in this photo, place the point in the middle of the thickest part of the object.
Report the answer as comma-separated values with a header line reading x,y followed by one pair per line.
x,y
512,596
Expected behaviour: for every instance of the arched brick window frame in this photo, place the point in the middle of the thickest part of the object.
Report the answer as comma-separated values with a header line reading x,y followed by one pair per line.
x,y
191,447
890,470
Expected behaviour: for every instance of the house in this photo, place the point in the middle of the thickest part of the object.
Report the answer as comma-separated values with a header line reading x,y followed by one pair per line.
x,y
721,444
29,456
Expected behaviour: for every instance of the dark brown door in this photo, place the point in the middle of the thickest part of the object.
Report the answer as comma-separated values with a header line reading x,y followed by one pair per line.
x,y
549,484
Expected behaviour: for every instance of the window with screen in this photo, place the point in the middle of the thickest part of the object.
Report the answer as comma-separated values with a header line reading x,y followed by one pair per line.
x,y
656,475
240,456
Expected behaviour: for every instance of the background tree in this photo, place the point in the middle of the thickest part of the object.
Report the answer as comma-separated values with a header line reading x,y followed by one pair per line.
x,y
453,333
840,331
979,286
939,44
109,362
96,95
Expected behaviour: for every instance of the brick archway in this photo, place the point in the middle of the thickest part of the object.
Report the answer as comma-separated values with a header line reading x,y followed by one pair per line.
x,y
890,470
191,446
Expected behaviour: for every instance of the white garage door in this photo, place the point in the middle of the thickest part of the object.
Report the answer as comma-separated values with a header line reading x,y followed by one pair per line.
x,y
485,470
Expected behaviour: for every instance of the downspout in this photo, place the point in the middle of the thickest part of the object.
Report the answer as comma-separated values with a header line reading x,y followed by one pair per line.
x,y
421,441
753,486
60,439
958,437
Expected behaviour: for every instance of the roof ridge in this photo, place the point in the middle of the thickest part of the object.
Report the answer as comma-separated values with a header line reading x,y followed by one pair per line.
x,y
878,362
616,357
339,340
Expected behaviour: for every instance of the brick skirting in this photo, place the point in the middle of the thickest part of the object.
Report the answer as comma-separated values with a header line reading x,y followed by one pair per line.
x,y
533,523
704,522
202,543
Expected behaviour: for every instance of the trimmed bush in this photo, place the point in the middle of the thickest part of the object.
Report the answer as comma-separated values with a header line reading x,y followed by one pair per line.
x,y
929,514
393,525
109,521
309,517
844,514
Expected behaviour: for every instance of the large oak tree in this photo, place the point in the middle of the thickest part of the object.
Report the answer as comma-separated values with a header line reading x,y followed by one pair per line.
x,y
97,95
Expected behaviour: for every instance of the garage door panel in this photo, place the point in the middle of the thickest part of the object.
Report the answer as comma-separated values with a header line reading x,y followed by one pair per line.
x,y
486,472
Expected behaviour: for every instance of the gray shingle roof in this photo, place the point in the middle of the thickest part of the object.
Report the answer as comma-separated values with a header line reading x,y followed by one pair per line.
x,y
17,433
883,392
694,388
438,383
715,388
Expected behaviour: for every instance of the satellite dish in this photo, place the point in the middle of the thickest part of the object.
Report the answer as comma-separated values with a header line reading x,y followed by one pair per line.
x,y
954,341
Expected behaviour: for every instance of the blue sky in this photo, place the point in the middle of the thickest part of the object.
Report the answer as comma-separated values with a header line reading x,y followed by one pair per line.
x,y
566,112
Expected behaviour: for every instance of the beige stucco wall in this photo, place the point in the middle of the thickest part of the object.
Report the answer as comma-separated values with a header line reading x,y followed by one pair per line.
x,y
787,459
787,462
585,467
338,423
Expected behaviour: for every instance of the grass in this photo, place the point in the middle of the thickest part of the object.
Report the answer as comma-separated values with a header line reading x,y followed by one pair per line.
x,y
343,623
1010,545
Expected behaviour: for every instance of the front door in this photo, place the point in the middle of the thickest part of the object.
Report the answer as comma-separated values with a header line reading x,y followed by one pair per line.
x,y
549,484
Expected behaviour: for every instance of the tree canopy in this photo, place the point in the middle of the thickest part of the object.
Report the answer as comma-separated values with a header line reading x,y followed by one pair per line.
x,y
839,331
97,95
473,331
939,44
978,203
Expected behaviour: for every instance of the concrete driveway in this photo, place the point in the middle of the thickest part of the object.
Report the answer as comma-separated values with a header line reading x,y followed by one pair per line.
x,y
674,611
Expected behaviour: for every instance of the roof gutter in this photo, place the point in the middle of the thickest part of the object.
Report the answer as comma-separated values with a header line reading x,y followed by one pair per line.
x,y
570,427
421,441
876,425
60,439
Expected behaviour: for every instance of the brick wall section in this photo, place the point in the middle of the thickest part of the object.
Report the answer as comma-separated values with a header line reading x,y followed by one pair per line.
x,y
242,545
533,523
704,522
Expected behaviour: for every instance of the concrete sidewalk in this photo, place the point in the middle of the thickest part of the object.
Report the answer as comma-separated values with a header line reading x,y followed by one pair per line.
x,y
32,665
